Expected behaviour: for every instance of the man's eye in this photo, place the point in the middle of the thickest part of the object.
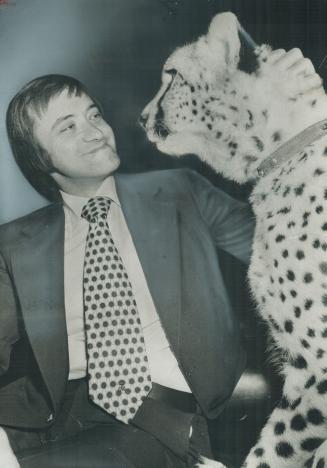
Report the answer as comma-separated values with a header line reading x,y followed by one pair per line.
x,y
96,116
67,128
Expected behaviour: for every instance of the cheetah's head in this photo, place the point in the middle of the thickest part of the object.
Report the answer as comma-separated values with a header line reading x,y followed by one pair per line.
x,y
232,119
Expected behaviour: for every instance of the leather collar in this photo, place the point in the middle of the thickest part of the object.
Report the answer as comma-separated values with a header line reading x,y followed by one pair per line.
x,y
292,147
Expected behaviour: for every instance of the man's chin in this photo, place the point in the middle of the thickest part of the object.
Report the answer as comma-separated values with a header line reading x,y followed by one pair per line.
x,y
104,163
107,156
108,151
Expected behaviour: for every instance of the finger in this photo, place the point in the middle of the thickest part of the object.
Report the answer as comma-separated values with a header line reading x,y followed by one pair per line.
x,y
311,82
275,55
288,59
303,66
311,85
313,93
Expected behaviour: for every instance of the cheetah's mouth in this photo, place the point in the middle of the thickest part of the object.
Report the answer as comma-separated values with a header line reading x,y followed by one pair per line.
x,y
161,130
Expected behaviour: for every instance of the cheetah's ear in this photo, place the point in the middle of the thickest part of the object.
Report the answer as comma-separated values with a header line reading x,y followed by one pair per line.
x,y
223,33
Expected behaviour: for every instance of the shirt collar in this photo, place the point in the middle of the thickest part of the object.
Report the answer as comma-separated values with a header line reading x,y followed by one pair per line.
x,y
76,203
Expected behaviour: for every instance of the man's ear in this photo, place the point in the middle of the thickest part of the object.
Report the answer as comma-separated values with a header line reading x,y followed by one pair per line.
x,y
223,36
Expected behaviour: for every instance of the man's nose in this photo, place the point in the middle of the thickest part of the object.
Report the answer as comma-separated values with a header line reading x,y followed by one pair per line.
x,y
92,132
144,118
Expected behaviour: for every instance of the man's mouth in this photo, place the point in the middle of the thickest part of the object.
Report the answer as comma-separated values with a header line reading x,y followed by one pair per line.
x,y
96,148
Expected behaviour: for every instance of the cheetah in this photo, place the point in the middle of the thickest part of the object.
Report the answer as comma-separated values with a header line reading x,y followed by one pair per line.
x,y
268,127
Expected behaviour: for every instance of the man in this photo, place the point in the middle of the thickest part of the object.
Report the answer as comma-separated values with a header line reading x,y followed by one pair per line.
x,y
117,338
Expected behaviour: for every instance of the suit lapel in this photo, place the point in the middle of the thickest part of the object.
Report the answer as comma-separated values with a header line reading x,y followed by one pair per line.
x,y
152,221
38,269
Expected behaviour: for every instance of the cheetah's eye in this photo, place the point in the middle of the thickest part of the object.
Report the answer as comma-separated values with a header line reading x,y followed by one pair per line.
x,y
171,71
168,75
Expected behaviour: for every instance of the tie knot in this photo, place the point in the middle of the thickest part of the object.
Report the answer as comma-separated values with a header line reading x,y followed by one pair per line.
x,y
95,208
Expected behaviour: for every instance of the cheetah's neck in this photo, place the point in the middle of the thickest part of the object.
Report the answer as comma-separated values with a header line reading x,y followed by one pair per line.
x,y
254,126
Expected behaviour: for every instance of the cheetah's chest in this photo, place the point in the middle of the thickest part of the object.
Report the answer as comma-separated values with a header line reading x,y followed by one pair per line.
x,y
288,271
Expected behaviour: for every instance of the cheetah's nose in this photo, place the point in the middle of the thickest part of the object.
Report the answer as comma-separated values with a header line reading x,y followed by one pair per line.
x,y
143,119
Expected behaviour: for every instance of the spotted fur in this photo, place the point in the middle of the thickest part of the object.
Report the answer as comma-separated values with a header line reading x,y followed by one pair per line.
x,y
234,120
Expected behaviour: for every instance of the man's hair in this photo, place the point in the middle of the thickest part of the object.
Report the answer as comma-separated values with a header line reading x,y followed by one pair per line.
x,y
33,99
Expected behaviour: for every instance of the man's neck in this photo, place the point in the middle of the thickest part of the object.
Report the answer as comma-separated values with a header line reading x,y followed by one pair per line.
x,y
82,187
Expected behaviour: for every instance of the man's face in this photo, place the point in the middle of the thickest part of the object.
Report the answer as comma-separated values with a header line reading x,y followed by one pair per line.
x,y
80,143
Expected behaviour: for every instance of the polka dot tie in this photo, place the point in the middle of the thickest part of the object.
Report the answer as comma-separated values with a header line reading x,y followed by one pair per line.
x,y
118,371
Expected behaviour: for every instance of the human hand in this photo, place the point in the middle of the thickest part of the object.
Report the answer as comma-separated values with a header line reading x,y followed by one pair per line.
x,y
7,456
291,72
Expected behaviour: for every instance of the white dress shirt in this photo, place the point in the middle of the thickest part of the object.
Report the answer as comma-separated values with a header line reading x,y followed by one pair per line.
x,y
163,365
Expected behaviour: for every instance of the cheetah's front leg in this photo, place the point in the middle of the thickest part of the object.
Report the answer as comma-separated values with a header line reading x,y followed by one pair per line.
x,y
295,429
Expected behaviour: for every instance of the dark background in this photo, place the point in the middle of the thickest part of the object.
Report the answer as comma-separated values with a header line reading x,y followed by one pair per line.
x,y
118,47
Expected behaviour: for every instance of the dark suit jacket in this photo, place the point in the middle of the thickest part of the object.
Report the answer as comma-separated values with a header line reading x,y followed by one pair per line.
x,y
177,219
